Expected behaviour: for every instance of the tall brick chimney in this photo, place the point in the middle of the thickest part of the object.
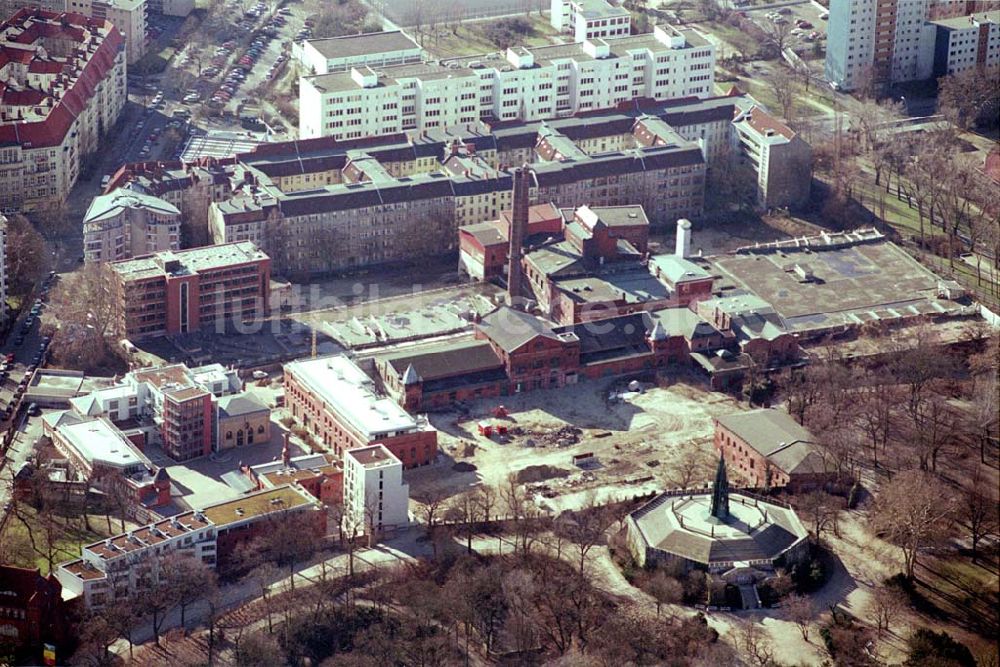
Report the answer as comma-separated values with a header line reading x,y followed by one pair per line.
x,y
518,229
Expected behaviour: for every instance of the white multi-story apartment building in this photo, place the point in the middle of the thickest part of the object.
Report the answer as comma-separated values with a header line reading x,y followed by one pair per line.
x,y
171,7
62,86
125,223
779,157
117,567
375,495
522,84
374,49
967,42
590,19
129,16
874,43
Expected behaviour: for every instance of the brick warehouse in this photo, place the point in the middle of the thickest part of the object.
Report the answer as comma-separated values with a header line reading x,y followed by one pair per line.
x,y
771,450
338,405
514,352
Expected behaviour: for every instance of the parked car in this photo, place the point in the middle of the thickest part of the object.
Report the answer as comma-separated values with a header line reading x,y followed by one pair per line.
x,y
34,410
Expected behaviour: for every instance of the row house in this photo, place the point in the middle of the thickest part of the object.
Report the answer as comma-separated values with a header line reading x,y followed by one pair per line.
x,y
117,567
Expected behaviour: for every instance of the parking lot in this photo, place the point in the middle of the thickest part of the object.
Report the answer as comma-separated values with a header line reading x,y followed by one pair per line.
x,y
804,22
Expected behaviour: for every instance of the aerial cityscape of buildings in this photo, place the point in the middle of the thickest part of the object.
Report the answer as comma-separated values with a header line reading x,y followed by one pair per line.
x,y
522,320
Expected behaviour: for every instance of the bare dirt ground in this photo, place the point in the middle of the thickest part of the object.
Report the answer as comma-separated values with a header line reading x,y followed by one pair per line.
x,y
634,439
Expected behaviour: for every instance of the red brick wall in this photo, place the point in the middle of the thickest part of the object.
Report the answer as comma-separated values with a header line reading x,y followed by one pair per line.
x,y
173,297
744,460
413,449
782,348
338,437
693,291
444,399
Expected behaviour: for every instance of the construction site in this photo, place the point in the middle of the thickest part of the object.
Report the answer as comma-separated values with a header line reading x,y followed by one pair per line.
x,y
596,440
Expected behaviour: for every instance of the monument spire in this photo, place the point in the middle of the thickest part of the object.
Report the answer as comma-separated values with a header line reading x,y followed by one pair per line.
x,y
720,491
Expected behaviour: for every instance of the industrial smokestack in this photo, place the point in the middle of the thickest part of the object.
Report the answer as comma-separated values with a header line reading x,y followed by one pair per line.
x,y
683,238
518,228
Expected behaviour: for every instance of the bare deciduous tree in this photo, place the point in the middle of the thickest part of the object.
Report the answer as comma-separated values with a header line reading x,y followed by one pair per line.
x,y
799,610
887,604
910,511
978,509
755,644
26,254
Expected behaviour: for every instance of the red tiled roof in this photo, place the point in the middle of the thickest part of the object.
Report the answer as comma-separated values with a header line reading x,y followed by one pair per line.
x,y
762,121
46,66
40,23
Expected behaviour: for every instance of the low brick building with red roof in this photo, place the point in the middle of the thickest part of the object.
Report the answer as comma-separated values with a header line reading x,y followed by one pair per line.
x,y
62,87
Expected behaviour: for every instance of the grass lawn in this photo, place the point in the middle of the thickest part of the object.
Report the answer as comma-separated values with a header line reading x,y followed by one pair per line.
x,y
471,39
71,535
732,36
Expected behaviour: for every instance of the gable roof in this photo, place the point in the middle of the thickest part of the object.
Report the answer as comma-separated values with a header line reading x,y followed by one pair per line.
x,y
432,362
778,437
510,329
240,404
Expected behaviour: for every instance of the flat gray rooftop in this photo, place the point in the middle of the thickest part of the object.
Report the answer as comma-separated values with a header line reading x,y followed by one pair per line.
x,y
368,43
851,285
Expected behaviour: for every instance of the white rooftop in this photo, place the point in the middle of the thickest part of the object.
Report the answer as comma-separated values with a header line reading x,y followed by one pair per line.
x,y
97,441
115,203
92,404
350,392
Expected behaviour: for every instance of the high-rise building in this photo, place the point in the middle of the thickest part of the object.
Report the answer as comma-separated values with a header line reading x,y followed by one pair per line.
x,y
62,86
875,43
375,495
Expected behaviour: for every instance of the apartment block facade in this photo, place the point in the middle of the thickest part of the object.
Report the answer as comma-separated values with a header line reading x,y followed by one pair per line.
x,y
128,16
62,87
521,85
375,496
779,157
967,43
126,224
876,43
197,289
3,268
